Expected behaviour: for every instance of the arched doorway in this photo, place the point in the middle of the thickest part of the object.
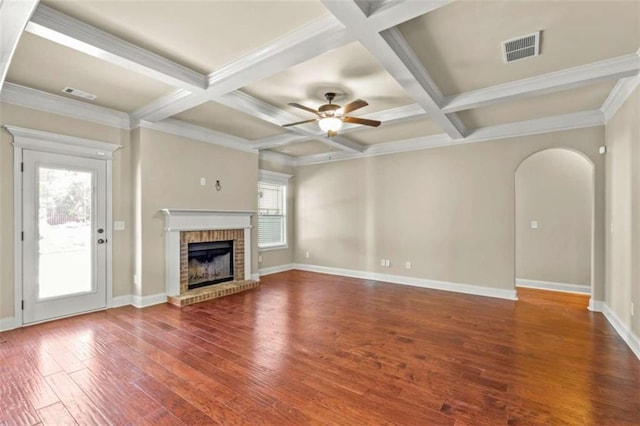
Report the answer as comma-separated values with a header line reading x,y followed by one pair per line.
x,y
555,221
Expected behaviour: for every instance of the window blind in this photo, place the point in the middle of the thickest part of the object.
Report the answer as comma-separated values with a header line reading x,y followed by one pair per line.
x,y
271,214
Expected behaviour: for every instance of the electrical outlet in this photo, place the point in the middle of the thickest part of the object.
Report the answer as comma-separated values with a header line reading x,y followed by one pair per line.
x,y
382,262
203,181
534,224
306,255
387,263
259,259
118,225
407,265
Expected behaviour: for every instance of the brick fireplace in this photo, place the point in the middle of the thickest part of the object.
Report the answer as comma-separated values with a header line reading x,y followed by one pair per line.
x,y
185,227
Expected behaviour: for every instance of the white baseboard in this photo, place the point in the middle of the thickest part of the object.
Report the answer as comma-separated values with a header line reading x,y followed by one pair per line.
x,y
144,301
596,305
9,323
625,332
476,290
119,301
276,269
553,286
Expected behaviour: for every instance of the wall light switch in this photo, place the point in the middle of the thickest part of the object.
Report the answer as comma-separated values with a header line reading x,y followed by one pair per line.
x,y
306,255
407,265
203,181
118,225
383,262
534,224
387,263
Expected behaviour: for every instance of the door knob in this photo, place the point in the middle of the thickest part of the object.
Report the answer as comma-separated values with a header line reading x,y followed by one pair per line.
x,y
100,231
101,241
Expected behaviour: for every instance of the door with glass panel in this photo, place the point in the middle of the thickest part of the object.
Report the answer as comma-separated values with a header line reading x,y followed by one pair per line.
x,y
64,241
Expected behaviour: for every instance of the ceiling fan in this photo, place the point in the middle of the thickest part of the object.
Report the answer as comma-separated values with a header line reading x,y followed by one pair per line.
x,y
331,116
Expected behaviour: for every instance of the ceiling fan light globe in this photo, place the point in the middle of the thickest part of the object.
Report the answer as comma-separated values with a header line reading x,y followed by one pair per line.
x,y
330,124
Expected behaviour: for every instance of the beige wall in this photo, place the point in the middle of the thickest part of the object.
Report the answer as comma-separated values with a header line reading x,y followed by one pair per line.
x,y
450,211
623,212
170,171
279,257
122,209
554,188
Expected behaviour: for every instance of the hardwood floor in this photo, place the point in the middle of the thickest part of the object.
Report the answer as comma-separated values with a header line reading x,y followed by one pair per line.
x,y
308,348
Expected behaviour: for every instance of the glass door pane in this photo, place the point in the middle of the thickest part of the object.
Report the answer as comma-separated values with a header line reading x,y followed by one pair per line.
x,y
65,257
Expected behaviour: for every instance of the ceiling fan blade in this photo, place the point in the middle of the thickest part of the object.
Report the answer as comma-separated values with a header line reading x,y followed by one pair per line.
x,y
297,105
366,122
352,106
300,122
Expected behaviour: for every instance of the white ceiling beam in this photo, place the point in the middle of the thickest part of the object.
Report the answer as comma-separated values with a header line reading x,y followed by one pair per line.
x,y
70,32
279,140
307,42
395,55
609,69
389,13
267,112
619,94
14,15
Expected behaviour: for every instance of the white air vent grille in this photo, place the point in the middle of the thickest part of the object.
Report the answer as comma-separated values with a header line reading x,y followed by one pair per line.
x,y
521,47
78,93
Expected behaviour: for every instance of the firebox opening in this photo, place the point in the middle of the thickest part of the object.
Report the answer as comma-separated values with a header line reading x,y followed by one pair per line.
x,y
210,263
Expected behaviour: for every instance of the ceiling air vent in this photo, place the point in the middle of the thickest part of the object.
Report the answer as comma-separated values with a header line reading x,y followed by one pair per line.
x,y
521,47
78,93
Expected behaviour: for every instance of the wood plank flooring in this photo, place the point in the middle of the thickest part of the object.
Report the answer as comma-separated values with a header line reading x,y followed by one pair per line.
x,y
309,348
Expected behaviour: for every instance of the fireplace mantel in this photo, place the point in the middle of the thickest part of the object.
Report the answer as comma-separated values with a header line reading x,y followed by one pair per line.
x,y
179,220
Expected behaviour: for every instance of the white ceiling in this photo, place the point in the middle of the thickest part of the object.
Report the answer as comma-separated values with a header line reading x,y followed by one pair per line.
x,y
431,71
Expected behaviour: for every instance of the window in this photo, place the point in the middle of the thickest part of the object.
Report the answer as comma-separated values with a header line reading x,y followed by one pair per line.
x,y
272,210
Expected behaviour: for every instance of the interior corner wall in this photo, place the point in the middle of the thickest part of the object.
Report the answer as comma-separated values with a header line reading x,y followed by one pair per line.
x,y
554,188
39,120
281,257
450,211
170,169
623,213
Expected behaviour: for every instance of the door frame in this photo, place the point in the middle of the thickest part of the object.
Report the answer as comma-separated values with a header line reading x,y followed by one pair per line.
x,y
38,140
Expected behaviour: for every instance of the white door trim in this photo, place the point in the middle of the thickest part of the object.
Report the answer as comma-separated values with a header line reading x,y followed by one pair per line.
x,y
62,144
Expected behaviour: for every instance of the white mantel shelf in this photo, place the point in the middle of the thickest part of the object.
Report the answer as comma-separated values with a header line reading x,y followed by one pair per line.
x,y
201,220
178,220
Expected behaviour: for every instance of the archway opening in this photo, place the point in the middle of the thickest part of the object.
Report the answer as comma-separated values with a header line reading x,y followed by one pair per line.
x,y
554,226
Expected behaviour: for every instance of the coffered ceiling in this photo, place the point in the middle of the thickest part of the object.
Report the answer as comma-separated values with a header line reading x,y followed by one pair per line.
x,y
224,71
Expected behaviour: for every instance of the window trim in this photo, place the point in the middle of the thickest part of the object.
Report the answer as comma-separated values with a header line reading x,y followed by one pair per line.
x,y
276,178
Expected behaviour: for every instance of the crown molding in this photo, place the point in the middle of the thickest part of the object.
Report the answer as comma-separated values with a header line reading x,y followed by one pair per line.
x,y
621,91
14,15
518,129
75,34
47,102
614,68
576,120
202,134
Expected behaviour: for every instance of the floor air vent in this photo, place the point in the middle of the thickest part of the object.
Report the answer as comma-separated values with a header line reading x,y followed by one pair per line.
x,y
521,47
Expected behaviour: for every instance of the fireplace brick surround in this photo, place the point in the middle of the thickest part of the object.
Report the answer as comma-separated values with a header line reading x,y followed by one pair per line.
x,y
195,226
186,237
